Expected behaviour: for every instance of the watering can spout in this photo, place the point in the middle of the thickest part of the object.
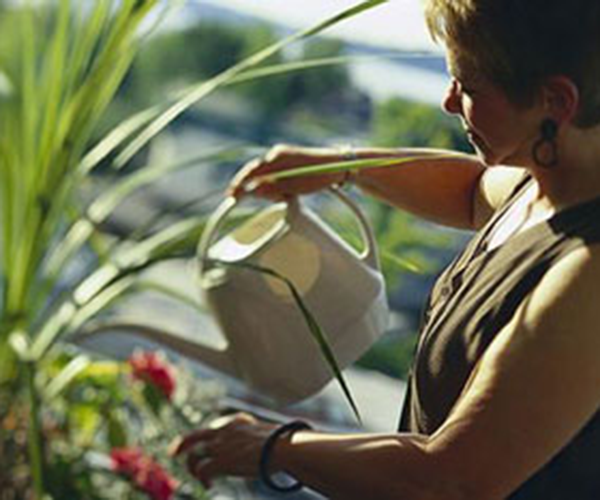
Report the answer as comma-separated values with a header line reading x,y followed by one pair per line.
x,y
219,359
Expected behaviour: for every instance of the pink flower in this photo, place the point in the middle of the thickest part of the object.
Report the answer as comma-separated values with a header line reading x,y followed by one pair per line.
x,y
144,472
153,369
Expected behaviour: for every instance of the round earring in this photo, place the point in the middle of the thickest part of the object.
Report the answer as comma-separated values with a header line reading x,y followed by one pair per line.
x,y
545,149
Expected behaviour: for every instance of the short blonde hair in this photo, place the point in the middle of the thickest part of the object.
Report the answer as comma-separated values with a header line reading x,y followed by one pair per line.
x,y
519,43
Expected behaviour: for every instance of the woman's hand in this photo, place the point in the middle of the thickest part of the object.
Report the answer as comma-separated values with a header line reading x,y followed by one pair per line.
x,y
230,447
279,159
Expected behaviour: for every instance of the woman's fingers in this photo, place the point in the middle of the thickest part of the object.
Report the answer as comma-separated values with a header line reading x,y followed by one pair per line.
x,y
204,437
206,471
253,178
232,420
241,183
231,446
190,441
247,180
196,469
225,460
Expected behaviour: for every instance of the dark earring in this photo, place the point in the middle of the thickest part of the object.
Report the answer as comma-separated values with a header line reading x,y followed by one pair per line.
x,y
545,150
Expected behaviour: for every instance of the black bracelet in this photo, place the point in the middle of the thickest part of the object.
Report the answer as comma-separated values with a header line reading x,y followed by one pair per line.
x,y
265,455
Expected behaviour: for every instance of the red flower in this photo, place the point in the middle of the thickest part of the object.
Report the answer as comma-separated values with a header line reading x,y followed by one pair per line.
x,y
145,473
153,369
126,461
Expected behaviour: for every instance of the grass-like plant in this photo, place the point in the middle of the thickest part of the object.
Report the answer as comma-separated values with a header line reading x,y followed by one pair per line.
x,y
62,63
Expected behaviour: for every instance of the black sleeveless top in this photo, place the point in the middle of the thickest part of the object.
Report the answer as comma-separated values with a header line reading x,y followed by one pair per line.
x,y
469,305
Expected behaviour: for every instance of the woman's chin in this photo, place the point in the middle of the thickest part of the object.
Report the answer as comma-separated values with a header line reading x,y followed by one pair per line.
x,y
481,150
486,156
494,157
491,158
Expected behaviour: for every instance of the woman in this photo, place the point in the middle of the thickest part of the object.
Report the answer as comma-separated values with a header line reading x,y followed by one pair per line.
x,y
504,395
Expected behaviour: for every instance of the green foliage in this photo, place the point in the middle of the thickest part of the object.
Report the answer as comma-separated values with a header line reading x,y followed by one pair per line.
x,y
109,409
401,122
402,237
284,96
218,46
404,241
62,65
167,62
391,355
323,85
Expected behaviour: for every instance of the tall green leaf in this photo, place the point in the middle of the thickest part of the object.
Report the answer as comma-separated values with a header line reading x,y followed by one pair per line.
x,y
106,284
103,206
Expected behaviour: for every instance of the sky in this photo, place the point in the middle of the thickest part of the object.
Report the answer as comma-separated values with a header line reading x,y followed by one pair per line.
x,y
398,24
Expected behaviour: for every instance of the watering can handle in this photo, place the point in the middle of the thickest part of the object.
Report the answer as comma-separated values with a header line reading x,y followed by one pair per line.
x,y
215,221
370,254
213,225
211,231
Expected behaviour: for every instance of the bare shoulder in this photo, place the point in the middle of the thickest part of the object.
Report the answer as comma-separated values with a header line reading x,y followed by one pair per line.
x,y
559,319
495,186
567,291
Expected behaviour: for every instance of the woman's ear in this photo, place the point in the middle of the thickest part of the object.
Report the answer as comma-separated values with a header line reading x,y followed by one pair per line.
x,y
560,98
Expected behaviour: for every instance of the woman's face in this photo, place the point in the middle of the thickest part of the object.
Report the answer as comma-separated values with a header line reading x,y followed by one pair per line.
x,y
500,131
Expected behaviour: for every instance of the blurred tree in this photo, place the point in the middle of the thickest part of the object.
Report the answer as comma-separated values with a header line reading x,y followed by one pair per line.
x,y
270,97
190,54
327,86
401,122
177,58
398,122
392,355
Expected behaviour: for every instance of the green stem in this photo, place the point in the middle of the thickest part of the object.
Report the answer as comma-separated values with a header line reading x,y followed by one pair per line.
x,y
35,441
7,361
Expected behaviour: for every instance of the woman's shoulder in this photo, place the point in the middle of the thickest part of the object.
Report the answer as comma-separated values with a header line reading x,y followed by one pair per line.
x,y
496,187
565,293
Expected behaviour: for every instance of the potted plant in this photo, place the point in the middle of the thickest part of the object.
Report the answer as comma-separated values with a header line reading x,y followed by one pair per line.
x,y
62,64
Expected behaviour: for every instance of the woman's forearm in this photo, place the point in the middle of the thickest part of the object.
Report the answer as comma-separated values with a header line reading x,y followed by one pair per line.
x,y
441,190
440,185
385,467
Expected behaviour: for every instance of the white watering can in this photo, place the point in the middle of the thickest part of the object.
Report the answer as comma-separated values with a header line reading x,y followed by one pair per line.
x,y
269,344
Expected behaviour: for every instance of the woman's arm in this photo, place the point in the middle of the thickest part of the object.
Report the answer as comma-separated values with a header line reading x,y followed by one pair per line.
x,y
440,190
358,467
536,386
457,190
533,390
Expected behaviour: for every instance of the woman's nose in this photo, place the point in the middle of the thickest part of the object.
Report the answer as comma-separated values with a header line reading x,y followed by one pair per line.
x,y
452,103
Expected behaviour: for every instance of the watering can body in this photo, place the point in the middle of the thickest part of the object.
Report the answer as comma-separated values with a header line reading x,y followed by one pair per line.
x,y
269,344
